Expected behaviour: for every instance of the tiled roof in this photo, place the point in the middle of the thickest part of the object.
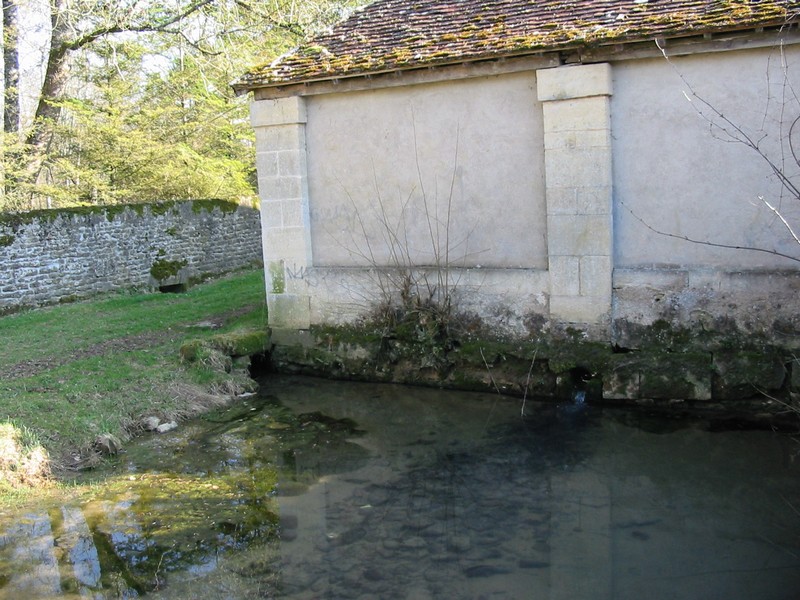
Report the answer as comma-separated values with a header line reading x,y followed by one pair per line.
x,y
390,35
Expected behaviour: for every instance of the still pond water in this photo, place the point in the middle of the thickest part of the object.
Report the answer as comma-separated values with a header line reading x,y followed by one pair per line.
x,y
318,489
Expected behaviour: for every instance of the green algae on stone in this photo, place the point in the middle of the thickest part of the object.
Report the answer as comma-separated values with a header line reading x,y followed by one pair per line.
x,y
277,276
233,344
744,373
164,269
224,206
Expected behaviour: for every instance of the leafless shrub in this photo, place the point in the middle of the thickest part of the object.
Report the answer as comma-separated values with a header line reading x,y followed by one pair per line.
x,y
417,290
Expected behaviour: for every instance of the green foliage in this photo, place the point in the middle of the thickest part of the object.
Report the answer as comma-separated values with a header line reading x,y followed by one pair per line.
x,y
120,151
150,114
13,190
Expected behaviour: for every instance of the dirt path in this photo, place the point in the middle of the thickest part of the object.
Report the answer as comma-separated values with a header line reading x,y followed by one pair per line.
x,y
30,368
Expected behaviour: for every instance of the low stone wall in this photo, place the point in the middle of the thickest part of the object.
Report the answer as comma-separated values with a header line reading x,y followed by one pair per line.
x,y
57,255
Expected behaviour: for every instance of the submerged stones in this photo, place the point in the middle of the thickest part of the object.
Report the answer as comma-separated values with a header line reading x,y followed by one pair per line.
x,y
150,423
436,530
166,427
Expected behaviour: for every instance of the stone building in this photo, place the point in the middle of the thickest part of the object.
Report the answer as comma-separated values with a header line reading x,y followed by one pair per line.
x,y
605,168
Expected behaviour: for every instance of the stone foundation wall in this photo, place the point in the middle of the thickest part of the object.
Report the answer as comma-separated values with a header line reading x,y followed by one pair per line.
x,y
57,255
751,384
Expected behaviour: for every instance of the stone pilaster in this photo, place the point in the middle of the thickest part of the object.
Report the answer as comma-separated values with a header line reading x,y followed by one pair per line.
x,y
283,190
577,144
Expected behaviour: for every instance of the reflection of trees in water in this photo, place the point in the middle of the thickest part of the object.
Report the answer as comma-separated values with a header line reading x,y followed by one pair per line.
x,y
193,497
171,523
462,511
457,516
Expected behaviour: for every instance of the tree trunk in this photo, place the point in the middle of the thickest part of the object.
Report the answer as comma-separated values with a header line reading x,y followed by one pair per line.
x,y
53,86
10,68
55,77
65,39
11,107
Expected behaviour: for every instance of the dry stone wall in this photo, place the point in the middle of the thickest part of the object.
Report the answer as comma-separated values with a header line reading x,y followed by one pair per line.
x,y
56,255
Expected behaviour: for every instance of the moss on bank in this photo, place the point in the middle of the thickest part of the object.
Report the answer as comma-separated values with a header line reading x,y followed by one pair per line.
x,y
234,344
15,220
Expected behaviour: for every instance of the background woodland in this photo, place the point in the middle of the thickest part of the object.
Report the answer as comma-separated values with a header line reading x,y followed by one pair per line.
x,y
107,102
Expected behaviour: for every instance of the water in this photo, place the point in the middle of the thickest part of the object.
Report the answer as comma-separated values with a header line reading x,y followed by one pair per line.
x,y
321,489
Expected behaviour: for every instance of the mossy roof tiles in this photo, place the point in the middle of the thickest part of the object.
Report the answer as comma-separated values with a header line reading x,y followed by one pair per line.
x,y
401,34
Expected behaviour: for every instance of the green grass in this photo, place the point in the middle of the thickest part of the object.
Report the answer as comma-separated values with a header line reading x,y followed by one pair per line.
x,y
112,360
58,330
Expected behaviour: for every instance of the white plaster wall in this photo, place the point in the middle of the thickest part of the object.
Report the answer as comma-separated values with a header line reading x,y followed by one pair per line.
x,y
441,172
681,176
512,301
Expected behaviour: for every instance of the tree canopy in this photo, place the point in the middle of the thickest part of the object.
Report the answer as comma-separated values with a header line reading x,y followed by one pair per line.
x,y
135,102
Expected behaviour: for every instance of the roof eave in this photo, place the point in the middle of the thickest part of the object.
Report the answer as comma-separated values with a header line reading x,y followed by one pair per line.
x,y
620,46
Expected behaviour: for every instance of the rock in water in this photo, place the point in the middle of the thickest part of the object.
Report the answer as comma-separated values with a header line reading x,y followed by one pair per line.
x,y
165,427
151,423
485,571
107,444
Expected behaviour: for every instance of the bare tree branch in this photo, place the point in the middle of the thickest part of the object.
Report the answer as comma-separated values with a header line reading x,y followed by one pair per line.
x,y
732,132
782,219
731,129
706,242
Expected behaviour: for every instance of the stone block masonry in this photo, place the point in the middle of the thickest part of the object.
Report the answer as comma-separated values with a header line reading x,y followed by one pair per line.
x,y
283,188
577,141
57,255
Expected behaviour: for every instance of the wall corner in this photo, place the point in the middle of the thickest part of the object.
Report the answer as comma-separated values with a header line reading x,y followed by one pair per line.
x,y
281,164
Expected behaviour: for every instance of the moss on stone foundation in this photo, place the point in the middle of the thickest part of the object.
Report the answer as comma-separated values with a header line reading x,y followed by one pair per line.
x,y
234,344
739,374
689,373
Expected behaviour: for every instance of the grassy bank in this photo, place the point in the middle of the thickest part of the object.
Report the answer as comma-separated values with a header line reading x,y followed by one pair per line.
x,y
73,372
